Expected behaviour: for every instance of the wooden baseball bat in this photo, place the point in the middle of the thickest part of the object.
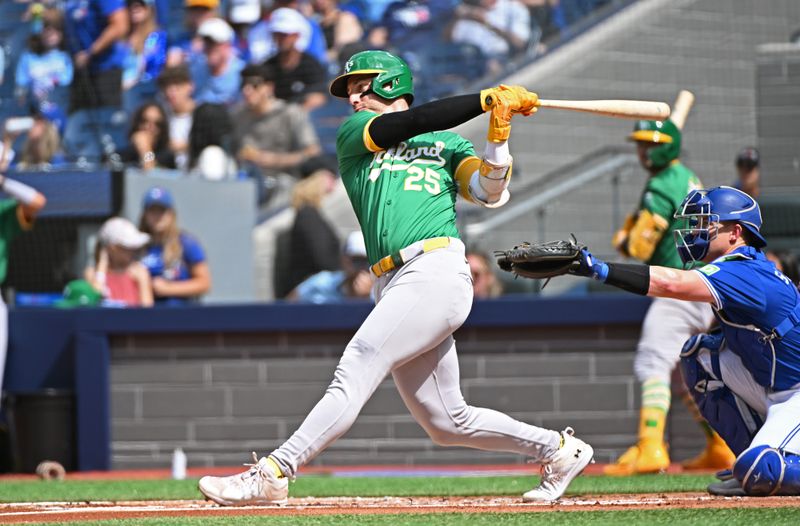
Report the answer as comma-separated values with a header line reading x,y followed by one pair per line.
x,y
625,109
681,108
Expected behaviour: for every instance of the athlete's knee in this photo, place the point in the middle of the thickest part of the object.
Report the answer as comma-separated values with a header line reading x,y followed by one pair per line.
x,y
445,436
760,470
450,429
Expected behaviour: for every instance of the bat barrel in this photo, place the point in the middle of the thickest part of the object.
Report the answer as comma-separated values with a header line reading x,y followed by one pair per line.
x,y
625,109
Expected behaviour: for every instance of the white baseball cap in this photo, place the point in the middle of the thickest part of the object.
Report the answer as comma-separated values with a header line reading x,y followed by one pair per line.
x,y
355,246
217,30
244,11
120,231
287,20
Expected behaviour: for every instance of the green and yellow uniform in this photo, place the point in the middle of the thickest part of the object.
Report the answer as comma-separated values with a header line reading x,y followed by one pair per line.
x,y
12,223
660,199
405,193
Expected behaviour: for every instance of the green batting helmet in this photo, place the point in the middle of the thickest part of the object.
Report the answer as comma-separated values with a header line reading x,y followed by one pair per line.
x,y
665,135
392,75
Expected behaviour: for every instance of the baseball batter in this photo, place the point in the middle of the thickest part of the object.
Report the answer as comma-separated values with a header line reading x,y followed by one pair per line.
x,y
746,377
403,176
647,237
16,215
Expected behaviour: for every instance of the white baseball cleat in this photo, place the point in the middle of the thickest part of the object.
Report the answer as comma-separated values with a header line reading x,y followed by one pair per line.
x,y
256,486
566,464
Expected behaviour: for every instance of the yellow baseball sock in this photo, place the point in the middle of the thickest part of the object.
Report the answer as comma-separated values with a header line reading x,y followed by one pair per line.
x,y
275,468
656,397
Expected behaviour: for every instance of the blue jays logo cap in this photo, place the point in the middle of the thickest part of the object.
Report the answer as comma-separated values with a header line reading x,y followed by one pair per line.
x,y
158,196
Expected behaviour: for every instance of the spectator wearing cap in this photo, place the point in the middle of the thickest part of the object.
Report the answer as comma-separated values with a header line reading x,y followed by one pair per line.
x,y
242,15
146,44
312,39
353,281
117,273
747,169
275,136
299,77
216,78
176,259
177,88
188,47
96,31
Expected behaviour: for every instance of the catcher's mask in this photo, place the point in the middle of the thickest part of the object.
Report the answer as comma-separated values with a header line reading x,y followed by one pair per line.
x,y
703,210
392,75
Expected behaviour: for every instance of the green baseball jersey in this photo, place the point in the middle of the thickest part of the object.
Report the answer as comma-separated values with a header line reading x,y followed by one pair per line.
x,y
10,227
662,195
405,193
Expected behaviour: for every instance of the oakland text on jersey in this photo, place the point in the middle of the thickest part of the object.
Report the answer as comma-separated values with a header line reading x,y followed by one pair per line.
x,y
384,160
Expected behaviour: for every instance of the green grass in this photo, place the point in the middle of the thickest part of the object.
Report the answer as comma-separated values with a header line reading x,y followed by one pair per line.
x,y
321,486
671,517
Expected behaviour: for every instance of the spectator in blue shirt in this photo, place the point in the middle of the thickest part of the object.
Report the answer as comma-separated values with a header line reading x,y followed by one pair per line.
x,y
175,258
188,47
216,78
146,44
95,33
353,281
44,67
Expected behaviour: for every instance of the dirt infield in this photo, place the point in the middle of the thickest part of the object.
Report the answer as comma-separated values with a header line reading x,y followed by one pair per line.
x,y
83,511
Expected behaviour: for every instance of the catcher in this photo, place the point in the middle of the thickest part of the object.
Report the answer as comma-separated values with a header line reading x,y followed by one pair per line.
x,y
745,378
647,237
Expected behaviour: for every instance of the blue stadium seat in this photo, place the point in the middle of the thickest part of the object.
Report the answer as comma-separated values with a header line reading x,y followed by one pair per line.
x,y
139,94
93,134
11,14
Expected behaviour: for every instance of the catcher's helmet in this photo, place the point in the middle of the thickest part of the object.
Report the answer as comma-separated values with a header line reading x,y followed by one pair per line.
x,y
703,208
665,135
392,80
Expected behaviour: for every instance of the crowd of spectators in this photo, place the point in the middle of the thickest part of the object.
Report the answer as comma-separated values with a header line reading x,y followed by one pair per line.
x,y
172,56
229,89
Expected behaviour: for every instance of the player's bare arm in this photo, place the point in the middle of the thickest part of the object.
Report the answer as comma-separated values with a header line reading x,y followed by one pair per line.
x,y
31,202
684,285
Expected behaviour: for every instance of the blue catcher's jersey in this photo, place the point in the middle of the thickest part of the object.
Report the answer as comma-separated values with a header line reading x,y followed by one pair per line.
x,y
759,309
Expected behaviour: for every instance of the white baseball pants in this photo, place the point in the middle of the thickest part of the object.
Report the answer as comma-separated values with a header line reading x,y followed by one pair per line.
x,y
666,327
409,334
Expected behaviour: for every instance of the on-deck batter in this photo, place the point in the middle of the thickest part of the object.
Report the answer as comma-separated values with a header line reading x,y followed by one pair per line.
x,y
403,176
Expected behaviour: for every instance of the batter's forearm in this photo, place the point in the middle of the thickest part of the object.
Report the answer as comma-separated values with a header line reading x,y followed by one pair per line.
x,y
391,128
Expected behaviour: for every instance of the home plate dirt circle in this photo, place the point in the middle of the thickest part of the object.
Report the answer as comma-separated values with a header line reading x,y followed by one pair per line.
x,y
15,513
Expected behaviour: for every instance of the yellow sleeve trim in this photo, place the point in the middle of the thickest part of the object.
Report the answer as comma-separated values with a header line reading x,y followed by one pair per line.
x,y
24,222
368,142
464,171
646,234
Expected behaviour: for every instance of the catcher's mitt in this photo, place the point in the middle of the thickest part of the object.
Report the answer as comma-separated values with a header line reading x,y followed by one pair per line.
x,y
540,260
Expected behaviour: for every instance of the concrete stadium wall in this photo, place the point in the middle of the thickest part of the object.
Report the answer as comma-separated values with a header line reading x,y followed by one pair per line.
x,y
220,396
220,381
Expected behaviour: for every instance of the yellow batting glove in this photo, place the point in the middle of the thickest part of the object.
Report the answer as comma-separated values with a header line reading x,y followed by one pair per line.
x,y
517,98
504,102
